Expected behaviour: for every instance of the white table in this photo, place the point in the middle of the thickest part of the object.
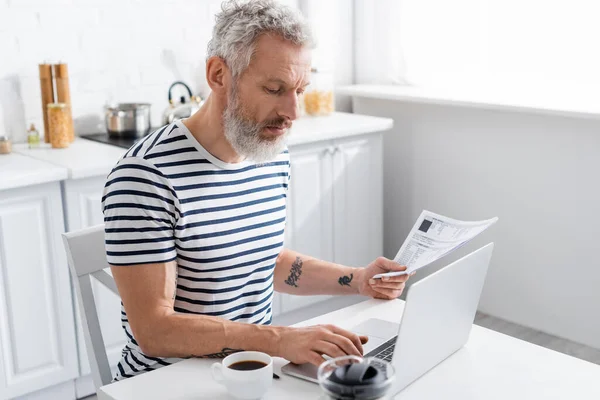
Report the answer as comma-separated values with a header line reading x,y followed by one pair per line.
x,y
490,366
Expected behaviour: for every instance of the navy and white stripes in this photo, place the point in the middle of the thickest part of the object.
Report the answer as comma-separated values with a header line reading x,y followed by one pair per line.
x,y
169,199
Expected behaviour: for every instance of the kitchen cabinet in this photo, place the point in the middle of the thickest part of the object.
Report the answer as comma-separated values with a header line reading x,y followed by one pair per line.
x,y
335,204
309,224
82,199
37,330
358,200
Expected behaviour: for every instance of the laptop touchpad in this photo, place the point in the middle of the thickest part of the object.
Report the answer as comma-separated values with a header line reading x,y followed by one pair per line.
x,y
378,330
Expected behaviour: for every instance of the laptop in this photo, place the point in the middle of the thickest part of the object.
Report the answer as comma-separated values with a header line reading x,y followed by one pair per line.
x,y
436,322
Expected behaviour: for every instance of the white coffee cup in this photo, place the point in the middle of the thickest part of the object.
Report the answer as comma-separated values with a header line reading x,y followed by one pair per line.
x,y
245,384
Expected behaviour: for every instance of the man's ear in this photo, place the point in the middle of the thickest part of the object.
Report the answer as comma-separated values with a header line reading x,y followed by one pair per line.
x,y
217,73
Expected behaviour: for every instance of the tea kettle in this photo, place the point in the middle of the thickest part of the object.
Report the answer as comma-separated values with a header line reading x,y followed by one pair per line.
x,y
183,109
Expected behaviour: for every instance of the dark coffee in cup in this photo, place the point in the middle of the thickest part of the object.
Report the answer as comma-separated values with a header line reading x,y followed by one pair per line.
x,y
247,365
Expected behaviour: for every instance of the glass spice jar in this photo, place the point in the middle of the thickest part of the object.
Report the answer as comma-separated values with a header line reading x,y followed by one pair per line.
x,y
318,97
5,145
33,137
59,125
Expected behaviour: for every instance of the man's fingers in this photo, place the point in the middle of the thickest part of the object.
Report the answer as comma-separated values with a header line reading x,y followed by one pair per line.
x,y
351,336
329,348
390,265
388,285
399,278
364,339
390,293
315,358
345,344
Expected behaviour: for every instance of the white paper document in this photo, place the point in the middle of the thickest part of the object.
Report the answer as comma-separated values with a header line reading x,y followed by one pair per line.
x,y
432,237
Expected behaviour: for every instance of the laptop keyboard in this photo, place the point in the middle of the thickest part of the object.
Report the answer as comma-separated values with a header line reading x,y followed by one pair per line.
x,y
385,351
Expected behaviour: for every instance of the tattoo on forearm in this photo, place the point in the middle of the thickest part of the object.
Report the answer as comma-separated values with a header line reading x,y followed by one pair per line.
x,y
345,280
222,354
295,272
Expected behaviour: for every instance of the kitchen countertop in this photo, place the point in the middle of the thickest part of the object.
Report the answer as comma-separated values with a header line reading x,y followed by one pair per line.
x,y
86,158
16,170
312,129
82,159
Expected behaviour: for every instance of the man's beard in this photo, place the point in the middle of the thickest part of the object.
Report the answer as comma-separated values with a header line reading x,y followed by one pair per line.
x,y
245,135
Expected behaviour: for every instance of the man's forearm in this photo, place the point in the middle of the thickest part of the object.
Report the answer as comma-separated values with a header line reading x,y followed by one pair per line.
x,y
187,335
302,275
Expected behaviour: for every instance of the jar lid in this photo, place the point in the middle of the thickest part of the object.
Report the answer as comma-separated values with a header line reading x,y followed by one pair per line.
x,y
321,70
352,377
3,138
57,105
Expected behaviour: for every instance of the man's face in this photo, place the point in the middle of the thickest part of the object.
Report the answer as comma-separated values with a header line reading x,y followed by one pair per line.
x,y
263,101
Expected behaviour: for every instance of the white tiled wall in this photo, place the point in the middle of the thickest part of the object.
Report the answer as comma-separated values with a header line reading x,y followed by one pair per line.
x,y
116,50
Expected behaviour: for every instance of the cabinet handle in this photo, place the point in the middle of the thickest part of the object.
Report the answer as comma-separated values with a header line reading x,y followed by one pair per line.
x,y
330,150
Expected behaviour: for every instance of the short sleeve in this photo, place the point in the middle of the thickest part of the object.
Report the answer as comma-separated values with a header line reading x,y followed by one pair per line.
x,y
140,214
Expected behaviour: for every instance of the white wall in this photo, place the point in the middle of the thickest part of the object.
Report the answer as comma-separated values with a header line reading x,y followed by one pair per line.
x,y
120,50
539,174
332,22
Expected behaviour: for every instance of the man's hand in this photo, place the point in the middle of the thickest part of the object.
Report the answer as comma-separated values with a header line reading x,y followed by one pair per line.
x,y
387,288
302,345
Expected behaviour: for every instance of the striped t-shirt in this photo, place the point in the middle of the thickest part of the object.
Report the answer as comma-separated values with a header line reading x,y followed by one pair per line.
x,y
170,199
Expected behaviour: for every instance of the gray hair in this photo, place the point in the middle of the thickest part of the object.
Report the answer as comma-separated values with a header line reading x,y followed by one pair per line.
x,y
239,24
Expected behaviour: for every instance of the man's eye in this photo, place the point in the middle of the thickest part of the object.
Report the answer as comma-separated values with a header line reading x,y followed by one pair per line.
x,y
271,91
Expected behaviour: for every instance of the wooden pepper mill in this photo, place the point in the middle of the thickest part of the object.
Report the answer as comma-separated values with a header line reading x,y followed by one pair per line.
x,y
54,85
47,89
63,95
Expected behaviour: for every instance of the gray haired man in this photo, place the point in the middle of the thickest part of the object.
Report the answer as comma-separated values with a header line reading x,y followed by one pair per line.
x,y
195,213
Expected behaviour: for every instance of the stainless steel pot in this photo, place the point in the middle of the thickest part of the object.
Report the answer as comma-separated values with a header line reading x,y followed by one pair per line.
x,y
128,119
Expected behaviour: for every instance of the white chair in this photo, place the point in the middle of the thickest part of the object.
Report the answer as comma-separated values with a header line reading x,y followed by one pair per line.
x,y
86,255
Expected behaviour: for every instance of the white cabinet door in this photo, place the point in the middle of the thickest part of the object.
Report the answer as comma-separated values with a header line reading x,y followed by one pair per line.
x,y
357,200
83,207
309,210
37,335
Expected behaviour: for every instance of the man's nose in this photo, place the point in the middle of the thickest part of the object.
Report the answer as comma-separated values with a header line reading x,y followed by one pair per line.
x,y
289,107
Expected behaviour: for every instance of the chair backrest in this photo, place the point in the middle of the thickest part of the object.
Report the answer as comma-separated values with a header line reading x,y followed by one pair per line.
x,y
86,255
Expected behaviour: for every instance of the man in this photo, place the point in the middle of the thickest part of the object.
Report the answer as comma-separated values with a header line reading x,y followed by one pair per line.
x,y
195,212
